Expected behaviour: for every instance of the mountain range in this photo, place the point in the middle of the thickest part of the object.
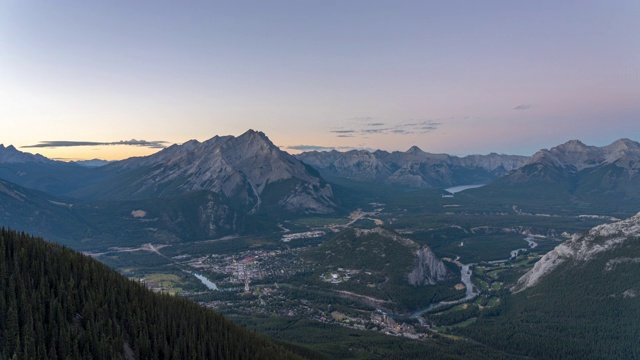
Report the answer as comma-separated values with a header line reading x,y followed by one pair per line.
x,y
197,190
574,173
414,168
241,169
223,185
582,294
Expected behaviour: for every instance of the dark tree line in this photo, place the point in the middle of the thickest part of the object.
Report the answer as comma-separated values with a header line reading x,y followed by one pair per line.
x,y
56,303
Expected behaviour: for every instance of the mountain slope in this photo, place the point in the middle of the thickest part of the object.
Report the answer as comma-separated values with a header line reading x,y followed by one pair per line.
x,y
602,241
57,303
389,266
414,167
241,169
40,173
580,301
97,226
39,213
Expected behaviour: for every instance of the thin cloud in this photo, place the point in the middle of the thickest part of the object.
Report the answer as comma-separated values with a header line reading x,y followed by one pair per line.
x,y
365,129
310,148
523,107
133,142
362,118
375,131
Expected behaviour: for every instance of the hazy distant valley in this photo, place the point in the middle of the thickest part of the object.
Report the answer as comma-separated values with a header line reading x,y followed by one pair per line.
x,y
362,251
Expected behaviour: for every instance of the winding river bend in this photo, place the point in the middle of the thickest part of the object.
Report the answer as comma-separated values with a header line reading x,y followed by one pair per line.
x,y
465,278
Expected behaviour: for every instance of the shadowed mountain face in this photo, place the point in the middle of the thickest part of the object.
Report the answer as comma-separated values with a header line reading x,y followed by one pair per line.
x,y
414,168
90,226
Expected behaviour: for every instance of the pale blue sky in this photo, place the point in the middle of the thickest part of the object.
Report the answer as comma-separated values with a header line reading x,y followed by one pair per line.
x,y
448,76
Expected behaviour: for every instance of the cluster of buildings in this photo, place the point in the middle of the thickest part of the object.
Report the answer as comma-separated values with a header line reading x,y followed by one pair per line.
x,y
339,276
249,266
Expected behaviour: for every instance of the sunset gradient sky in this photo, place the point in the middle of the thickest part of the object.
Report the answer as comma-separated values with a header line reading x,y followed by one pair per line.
x,y
459,77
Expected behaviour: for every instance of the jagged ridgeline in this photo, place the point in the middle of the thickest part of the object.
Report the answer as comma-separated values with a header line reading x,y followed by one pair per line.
x,y
56,303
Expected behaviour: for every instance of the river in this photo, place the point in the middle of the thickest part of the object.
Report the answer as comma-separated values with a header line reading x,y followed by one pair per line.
x,y
465,278
208,283
457,189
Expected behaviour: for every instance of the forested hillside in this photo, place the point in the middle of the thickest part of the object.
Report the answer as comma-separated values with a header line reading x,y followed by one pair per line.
x,y
56,303
580,301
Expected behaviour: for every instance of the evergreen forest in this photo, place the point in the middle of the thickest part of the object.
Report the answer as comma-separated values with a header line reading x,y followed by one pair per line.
x,y
56,303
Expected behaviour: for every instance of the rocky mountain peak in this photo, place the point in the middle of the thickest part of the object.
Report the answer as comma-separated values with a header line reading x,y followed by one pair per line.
x,y
253,134
573,144
576,155
11,155
240,168
620,149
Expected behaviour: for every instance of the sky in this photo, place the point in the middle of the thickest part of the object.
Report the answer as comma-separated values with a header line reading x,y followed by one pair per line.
x,y
114,79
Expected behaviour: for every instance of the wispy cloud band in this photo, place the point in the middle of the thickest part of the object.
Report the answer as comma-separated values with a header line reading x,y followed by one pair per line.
x,y
327,148
366,127
522,107
133,142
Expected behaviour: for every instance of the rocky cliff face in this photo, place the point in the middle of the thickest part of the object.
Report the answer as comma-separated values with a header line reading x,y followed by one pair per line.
x,y
582,248
414,167
429,269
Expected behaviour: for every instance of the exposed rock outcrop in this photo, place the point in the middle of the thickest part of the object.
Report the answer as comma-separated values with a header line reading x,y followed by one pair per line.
x,y
428,270
584,247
